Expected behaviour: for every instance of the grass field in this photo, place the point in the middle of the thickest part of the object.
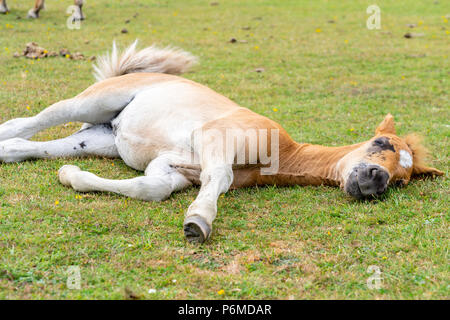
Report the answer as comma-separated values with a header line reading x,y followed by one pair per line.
x,y
327,79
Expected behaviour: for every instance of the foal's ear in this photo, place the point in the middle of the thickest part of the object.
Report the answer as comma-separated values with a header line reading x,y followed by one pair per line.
x,y
386,126
424,171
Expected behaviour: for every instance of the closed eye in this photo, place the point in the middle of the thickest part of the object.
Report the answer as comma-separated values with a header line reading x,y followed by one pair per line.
x,y
379,142
382,143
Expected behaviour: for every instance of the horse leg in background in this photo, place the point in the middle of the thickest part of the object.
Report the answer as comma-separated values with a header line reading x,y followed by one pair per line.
x,y
3,6
34,12
78,14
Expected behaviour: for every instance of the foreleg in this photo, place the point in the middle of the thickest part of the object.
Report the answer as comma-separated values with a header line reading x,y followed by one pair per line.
x,y
158,183
215,180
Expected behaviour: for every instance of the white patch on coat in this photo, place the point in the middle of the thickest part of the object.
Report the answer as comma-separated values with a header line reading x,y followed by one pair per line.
x,y
405,159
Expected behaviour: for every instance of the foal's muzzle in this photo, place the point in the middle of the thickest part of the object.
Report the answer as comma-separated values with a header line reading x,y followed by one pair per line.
x,y
367,181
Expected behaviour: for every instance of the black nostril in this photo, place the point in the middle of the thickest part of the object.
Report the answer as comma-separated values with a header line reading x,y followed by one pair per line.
x,y
372,181
373,172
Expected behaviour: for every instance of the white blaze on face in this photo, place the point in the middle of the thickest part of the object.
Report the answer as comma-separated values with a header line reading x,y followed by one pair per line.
x,y
405,159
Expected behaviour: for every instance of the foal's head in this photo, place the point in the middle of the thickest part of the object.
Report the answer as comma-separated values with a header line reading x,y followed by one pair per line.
x,y
383,160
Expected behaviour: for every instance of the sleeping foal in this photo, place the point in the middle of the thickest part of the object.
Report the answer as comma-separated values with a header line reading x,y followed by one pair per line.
x,y
181,133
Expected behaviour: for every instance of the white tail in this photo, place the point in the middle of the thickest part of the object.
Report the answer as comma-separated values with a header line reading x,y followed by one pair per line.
x,y
151,59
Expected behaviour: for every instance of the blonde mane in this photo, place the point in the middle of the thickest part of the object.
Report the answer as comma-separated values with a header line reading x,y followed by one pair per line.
x,y
419,151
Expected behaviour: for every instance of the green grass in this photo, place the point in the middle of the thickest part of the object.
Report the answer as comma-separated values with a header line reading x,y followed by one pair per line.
x,y
330,87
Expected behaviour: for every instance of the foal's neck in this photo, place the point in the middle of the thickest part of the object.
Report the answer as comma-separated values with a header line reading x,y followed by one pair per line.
x,y
307,164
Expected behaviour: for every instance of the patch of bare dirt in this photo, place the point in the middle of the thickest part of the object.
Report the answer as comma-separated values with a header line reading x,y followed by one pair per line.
x,y
34,51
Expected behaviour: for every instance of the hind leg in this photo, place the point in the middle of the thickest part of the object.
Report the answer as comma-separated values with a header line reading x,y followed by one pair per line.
x,y
159,182
94,106
96,140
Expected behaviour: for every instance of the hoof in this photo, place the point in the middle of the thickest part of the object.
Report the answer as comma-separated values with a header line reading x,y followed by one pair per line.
x,y
196,230
3,8
64,174
32,15
77,17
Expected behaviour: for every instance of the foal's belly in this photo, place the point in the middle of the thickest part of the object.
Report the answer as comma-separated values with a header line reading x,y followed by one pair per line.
x,y
146,129
139,141
136,153
161,119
